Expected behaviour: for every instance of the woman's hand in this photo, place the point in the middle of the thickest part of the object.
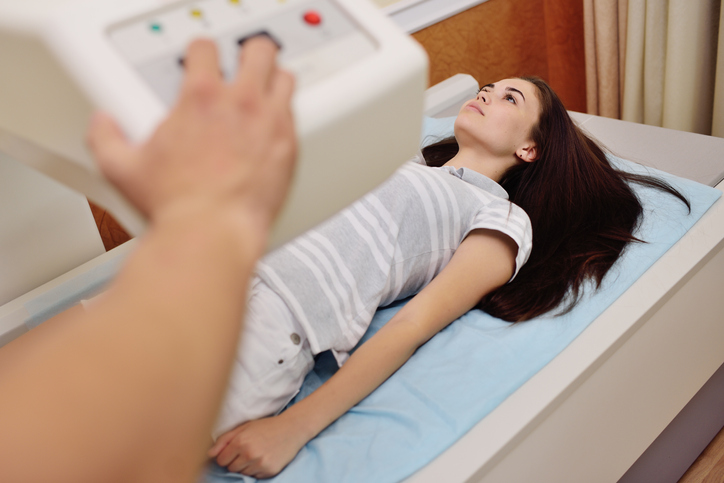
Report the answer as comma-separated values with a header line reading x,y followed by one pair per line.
x,y
260,448
224,145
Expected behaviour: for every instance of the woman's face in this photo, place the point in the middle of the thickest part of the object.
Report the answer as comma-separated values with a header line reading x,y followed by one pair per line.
x,y
499,120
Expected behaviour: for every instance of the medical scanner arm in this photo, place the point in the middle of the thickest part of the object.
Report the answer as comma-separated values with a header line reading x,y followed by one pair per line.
x,y
70,174
358,105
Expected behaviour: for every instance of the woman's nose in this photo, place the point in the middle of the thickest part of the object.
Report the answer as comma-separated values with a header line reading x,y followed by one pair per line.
x,y
483,96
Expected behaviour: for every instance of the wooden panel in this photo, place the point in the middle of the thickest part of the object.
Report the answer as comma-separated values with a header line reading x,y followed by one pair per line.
x,y
565,51
112,233
709,466
492,41
509,38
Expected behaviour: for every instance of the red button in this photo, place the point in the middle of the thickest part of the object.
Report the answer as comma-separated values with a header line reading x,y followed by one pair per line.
x,y
312,18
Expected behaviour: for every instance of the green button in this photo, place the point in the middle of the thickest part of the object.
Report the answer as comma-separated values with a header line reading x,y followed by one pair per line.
x,y
156,27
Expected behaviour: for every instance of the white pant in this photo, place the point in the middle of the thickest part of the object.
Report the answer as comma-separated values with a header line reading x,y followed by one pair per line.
x,y
272,360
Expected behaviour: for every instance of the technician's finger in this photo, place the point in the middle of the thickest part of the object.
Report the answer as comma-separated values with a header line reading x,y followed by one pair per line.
x,y
112,151
257,63
202,57
201,64
282,88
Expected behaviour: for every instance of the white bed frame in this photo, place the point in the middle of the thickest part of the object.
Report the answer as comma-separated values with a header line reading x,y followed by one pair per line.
x,y
590,413
593,411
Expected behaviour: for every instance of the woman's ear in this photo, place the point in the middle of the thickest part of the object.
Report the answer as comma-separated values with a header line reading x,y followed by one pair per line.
x,y
528,152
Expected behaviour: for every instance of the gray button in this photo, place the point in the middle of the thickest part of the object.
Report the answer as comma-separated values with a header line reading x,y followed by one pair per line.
x,y
295,338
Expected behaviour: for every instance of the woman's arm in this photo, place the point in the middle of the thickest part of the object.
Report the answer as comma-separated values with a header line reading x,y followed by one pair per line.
x,y
484,261
129,390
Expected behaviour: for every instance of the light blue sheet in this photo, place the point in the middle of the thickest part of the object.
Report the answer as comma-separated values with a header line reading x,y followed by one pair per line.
x,y
469,368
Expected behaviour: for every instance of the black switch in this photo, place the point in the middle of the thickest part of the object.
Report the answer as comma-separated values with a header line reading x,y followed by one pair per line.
x,y
257,34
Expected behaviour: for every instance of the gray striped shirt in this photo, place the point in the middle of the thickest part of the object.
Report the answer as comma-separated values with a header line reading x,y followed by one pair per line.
x,y
384,247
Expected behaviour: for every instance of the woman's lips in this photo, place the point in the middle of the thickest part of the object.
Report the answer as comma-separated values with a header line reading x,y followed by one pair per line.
x,y
475,107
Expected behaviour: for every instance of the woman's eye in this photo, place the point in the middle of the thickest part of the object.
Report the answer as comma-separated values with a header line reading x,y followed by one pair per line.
x,y
510,98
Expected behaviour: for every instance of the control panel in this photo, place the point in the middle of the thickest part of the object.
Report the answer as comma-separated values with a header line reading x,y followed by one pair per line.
x,y
315,37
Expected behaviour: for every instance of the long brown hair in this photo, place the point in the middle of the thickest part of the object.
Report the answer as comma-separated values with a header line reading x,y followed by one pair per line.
x,y
582,209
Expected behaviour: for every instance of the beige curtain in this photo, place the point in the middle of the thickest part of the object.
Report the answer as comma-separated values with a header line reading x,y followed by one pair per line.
x,y
717,128
605,45
671,77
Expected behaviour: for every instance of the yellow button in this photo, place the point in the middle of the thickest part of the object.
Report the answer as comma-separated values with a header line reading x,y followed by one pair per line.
x,y
196,13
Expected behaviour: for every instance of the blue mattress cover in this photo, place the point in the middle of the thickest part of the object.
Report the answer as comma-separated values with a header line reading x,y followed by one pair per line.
x,y
466,370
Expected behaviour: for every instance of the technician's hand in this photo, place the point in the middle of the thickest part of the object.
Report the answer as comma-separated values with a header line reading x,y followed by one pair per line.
x,y
223,144
260,448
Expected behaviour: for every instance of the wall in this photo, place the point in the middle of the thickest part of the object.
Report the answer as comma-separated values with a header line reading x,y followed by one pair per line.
x,y
507,38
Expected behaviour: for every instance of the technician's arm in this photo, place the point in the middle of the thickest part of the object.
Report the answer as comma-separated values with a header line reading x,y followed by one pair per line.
x,y
484,261
129,390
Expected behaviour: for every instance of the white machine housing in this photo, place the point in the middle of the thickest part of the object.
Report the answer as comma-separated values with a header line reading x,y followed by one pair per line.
x,y
358,104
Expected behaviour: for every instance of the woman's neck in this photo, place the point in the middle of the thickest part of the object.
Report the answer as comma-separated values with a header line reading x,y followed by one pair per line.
x,y
492,167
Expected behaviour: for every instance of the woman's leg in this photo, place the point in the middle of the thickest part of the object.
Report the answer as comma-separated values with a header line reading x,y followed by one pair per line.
x,y
271,363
